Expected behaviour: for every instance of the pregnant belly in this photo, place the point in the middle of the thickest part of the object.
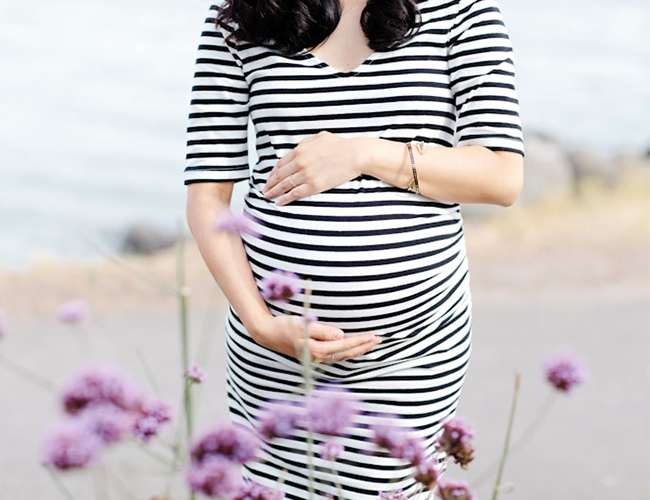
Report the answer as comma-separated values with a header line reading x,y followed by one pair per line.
x,y
376,258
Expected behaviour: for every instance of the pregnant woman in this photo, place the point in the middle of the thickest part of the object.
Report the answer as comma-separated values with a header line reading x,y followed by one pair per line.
x,y
374,120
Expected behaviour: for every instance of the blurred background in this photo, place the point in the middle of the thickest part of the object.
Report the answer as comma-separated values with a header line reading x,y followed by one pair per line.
x,y
94,99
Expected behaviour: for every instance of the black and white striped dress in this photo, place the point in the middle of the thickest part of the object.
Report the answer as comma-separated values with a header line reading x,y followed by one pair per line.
x,y
381,259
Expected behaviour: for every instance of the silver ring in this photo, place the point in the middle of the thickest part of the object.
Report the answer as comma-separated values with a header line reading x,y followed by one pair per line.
x,y
291,180
332,358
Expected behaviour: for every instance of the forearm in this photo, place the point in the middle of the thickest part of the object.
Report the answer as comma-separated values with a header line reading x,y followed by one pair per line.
x,y
225,257
468,174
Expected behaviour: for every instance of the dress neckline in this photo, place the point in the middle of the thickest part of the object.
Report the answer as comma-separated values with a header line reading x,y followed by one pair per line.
x,y
331,69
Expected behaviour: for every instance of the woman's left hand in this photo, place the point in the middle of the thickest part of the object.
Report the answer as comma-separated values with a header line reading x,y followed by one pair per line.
x,y
319,162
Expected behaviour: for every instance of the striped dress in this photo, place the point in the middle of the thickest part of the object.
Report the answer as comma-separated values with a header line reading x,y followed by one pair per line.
x,y
380,258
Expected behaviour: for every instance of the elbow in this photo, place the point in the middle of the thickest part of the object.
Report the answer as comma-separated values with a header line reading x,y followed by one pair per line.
x,y
513,165
509,197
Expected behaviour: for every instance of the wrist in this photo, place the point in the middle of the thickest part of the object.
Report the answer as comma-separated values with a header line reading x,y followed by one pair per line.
x,y
366,154
256,323
386,160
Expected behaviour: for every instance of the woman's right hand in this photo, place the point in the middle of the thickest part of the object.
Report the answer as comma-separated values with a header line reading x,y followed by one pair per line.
x,y
279,333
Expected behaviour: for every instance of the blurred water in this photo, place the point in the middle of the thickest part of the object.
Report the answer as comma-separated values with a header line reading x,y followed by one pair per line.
x,y
94,99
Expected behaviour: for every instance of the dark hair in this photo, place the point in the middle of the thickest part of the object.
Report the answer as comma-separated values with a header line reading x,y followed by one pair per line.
x,y
291,25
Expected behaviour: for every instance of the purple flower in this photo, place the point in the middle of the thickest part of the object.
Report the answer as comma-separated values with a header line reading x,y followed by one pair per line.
x,y
196,374
280,285
99,384
329,410
3,323
392,495
226,440
256,491
73,311
564,371
70,444
455,440
399,442
278,422
331,450
108,422
216,476
452,489
153,414
228,221
427,474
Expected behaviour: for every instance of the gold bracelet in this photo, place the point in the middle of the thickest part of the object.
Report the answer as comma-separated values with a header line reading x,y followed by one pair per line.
x,y
414,183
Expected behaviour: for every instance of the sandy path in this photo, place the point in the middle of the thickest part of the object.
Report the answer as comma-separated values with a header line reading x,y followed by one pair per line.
x,y
564,274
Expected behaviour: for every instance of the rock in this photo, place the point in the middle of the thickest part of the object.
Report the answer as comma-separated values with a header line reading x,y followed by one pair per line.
x,y
547,170
585,163
141,239
632,162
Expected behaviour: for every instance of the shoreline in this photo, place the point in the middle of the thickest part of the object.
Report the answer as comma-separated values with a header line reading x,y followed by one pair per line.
x,y
601,238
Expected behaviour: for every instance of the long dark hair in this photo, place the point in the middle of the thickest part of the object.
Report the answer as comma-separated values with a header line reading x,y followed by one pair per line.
x,y
291,25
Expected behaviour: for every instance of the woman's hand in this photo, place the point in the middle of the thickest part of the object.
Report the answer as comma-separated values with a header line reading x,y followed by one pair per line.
x,y
318,163
280,332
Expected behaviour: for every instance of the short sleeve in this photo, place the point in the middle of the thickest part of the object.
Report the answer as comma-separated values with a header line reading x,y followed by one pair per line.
x,y
217,148
482,74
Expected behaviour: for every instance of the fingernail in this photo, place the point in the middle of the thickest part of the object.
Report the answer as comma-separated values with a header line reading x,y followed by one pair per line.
x,y
378,340
339,334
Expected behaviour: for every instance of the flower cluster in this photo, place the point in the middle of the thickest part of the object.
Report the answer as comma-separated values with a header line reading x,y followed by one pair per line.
x,y
564,371
256,491
400,442
330,409
456,441
280,285
73,311
278,421
196,374
226,220
451,489
102,407
331,450
68,445
216,457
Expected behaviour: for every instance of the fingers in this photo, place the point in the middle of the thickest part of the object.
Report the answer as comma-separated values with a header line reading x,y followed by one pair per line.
x,y
294,194
320,331
342,349
355,351
349,342
278,181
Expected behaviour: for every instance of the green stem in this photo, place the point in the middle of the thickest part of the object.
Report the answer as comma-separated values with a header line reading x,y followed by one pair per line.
x,y
177,448
27,374
521,440
183,294
207,337
148,371
337,481
282,476
534,425
60,486
497,484
123,487
132,269
306,364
